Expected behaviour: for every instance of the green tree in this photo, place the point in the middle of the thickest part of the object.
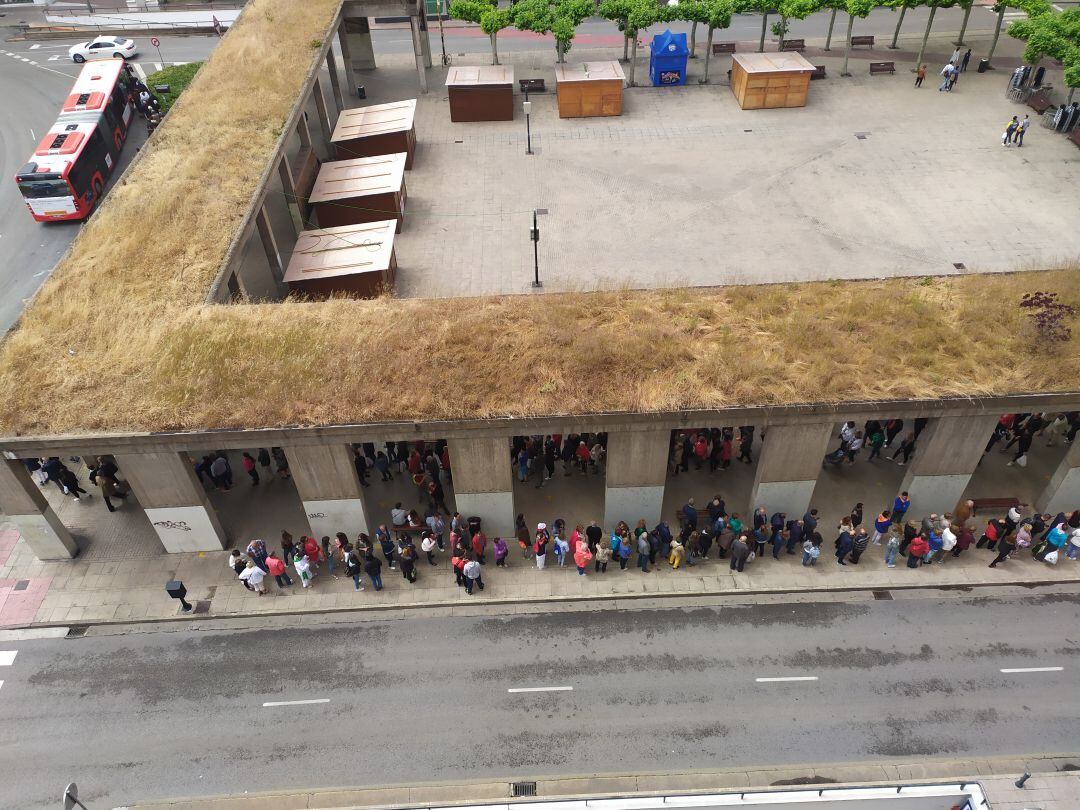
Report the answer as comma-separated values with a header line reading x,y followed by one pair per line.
x,y
792,10
903,5
933,5
1054,34
833,6
569,14
1032,7
718,15
618,12
762,7
966,5
860,9
491,19
643,13
693,12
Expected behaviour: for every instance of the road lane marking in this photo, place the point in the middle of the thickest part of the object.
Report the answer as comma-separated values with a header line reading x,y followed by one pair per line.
x,y
295,702
1034,669
54,58
157,66
541,689
34,47
1,684
7,657
792,678
139,71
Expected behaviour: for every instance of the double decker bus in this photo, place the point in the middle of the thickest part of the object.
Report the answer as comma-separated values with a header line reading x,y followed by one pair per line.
x,y
66,175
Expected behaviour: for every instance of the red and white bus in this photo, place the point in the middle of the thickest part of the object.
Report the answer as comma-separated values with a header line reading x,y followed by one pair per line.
x,y
66,175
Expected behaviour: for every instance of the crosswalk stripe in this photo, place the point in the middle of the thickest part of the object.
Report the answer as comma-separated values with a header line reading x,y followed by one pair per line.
x,y
139,70
7,657
157,66
54,58
34,47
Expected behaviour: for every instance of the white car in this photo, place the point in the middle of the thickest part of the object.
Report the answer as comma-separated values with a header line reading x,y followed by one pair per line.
x,y
103,48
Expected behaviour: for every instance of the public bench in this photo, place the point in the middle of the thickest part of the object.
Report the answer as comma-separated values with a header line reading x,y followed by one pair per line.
x,y
819,72
1039,102
993,503
722,47
866,40
793,45
532,85
882,67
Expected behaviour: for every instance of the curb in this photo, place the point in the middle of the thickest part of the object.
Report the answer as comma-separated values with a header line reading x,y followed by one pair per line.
x,y
535,600
862,774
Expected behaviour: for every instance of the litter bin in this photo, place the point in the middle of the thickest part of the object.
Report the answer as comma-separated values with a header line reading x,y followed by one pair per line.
x,y
983,65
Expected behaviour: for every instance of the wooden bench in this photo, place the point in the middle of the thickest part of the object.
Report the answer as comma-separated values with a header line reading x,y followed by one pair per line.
x,y
882,67
1039,102
993,503
532,85
867,41
793,45
722,47
819,72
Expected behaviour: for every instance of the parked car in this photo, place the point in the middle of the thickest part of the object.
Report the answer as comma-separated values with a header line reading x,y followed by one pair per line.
x,y
103,48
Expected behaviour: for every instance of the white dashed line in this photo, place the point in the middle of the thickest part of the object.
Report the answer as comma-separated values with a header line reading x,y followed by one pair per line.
x,y
34,47
157,66
1033,669
7,657
54,58
1,684
542,689
792,678
139,71
295,702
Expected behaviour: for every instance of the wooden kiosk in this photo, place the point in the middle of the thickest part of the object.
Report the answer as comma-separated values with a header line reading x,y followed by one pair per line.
x,y
589,89
381,129
769,80
356,259
481,93
349,192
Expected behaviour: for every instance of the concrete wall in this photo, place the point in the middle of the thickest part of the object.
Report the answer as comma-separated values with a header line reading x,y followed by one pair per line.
x,y
788,466
1062,494
25,505
635,476
483,482
946,454
326,481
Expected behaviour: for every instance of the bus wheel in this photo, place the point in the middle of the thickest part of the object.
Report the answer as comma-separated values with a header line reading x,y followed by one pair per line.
x,y
99,189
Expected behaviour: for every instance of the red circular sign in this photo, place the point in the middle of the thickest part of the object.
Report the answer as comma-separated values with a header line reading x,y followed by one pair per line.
x,y
155,41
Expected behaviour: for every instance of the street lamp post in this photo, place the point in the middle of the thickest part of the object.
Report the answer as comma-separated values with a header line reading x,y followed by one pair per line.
x,y
527,106
534,234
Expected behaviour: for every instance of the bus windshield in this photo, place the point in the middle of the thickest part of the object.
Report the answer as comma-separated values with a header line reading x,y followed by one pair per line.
x,y
37,189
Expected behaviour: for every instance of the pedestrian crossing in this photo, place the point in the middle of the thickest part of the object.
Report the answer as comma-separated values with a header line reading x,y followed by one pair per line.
x,y
7,658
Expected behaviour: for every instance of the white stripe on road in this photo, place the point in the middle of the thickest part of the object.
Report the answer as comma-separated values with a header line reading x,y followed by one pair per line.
x,y
1034,669
139,71
542,689
157,66
7,657
295,702
34,47
1,683
793,678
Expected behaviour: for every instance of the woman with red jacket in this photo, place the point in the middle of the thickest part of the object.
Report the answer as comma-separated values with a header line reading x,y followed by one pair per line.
x,y
918,549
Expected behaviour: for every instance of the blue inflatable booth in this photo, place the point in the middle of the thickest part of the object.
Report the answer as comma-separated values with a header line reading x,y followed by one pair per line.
x,y
667,62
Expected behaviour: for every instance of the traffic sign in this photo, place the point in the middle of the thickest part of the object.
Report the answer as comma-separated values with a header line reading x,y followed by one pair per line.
x,y
155,41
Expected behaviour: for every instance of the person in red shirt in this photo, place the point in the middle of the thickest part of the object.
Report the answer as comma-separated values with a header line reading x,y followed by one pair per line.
x,y
583,457
918,549
701,451
479,546
277,568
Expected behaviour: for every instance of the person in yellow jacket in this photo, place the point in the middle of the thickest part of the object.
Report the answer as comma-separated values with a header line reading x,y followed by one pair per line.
x,y
675,558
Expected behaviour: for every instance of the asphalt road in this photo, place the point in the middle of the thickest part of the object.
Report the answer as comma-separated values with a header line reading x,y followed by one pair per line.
x,y
420,699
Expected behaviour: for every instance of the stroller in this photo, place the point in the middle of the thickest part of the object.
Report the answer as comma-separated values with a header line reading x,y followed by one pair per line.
x,y
835,457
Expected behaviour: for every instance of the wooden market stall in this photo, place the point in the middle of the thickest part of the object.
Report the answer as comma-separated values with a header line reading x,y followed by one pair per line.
x,y
768,80
481,93
381,129
589,89
357,259
348,192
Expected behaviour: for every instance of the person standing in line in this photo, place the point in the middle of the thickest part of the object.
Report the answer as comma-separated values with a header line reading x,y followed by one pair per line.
x,y
857,515
858,545
740,552
303,568
746,442
407,557
288,549
624,549
264,461
472,572
353,566
877,441
253,575
249,468
277,570
601,557
776,539
219,472
521,531
917,550
900,507
427,545
582,555
844,545
881,525
437,526
256,551
386,544
311,551
643,552
795,534
811,552
965,60
676,554
1005,548
479,547
810,521
541,544
892,546
502,550
237,563
1023,443
562,549
328,555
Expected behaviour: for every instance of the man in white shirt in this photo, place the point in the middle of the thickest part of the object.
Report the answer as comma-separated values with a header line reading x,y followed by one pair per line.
x,y
472,575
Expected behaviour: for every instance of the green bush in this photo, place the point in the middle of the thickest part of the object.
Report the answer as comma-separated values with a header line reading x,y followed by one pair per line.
x,y
177,77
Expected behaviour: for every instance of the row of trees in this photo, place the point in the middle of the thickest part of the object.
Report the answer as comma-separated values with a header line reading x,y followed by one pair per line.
x,y
1054,34
562,17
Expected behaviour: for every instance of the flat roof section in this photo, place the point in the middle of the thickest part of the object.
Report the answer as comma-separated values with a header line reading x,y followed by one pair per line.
x,y
378,119
359,177
476,75
589,72
342,251
787,62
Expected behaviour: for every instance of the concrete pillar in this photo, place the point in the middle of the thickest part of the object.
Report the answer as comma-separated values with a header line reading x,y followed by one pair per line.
x,y
324,117
425,38
326,479
483,482
174,501
303,133
788,466
269,243
357,53
23,502
635,476
286,177
1062,494
946,454
418,52
335,81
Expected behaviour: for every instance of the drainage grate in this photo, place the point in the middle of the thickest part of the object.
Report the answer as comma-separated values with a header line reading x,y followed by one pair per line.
x,y
748,130
522,789
959,265
541,211
77,630
862,136
202,606
22,584
883,595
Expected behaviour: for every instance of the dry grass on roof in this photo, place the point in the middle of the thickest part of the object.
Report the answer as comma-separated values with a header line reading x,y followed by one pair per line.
x,y
349,361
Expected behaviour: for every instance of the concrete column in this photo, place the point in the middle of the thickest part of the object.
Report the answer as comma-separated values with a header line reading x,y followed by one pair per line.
x,y
357,53
335,81
303,133
174,501
418,52
788,466
286,177
483,482
269,243
635,476
23,502
425,37
1062,494
324,116
946,454
326,479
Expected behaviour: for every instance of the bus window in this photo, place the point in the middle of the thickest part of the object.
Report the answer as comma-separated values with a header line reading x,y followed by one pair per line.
x,y
39,189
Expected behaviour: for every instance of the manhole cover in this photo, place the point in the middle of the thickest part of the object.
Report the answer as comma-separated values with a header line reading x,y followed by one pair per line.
x,y
77,630
22,584
959,265
523,788
884,595
862,136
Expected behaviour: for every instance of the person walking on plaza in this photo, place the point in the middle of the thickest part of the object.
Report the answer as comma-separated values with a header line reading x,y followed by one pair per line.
x,y
69,483
876,441
964,61
264,460
1007,135
472,572
946,74
906,448
237,563
740,553
254,576
920,74
109,489
249,468
277,570
746,442
1005,547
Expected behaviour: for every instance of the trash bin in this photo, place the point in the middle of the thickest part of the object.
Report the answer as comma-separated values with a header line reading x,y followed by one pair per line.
x,y
983,65
361,92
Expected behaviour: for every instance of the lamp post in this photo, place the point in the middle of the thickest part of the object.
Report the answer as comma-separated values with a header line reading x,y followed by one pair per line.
x,y
527,106
534,234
